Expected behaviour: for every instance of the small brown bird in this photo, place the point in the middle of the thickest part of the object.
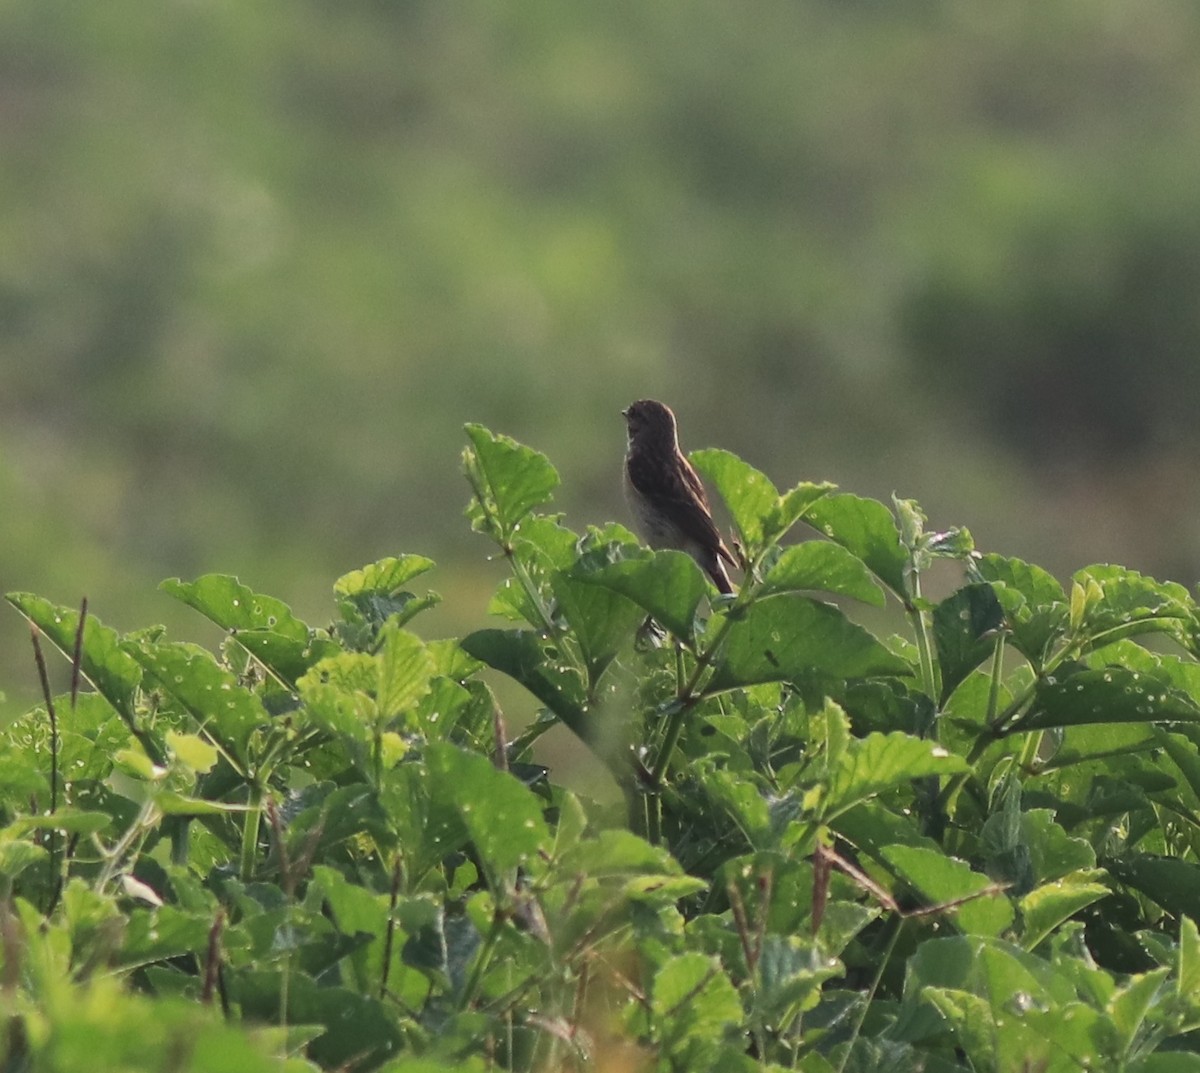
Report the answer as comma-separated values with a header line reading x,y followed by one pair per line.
x,y
665,494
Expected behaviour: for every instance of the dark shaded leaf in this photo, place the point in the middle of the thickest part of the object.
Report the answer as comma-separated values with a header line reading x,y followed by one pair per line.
x,y
963,630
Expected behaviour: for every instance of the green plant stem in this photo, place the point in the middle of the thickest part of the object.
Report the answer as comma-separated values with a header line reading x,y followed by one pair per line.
x,y
481,960
686,700
146,818
250,834
920,625
994,685
870,997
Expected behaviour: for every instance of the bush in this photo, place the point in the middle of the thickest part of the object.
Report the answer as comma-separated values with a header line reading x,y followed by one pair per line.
x,y
971,846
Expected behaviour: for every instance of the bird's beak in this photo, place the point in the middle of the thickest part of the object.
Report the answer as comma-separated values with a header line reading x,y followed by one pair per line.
x,y
624,413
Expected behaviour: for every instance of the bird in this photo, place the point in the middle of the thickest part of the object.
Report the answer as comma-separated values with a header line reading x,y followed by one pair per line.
x,y
666,497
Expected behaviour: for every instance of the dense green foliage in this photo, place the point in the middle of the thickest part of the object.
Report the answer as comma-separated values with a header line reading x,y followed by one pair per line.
x,y
969,846
258,263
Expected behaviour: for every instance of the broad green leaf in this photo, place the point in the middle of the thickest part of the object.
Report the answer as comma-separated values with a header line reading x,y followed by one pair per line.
x,y
1129,1007
667,585
405,668
359,1029
111,670
340,695
970,899
16,855
795,503
384,577
617,854
692,997
1110,695
865,528
1037,586
263,625
1187,972
1125,603
526,657
1034,603
878,762
1045,908
375,595
1053,853
223,599
210,693
824,566
600,617
787,637
791,972
509,480
1171,882
964,626
504,818
749,495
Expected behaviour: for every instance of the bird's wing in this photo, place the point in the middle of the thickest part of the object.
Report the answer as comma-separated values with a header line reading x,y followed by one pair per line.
x,y
680,495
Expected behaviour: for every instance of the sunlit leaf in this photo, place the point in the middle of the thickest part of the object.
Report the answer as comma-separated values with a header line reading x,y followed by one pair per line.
x,y
865,528
749,494
667,585
508,478
825,566
787,637
504,818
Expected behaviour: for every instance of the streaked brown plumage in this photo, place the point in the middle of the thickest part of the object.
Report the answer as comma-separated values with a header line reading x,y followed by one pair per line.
x,y
668,502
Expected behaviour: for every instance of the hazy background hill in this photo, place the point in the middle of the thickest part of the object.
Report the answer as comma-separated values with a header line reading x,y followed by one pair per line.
x,y
259,262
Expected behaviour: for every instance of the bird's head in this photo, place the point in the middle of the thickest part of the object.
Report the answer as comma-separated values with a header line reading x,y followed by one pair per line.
x,y
650,424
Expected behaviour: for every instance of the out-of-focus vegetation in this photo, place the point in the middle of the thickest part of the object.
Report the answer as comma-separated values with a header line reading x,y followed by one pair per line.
x,y
258,263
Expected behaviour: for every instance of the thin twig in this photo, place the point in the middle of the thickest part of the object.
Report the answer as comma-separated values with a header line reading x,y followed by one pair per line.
x,y
52,839
77,654
212,961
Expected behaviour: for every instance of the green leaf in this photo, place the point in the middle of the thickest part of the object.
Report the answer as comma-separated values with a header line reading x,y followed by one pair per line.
x,y
1045,908
787,638
209,693
1171,882
964,626
504,818
692,997
790,974
359,1030
526,657
749,495
1129,1007
16,855
263,625
1110,695
223,599
600,617
946,881
509,480
384,577
405,668
103,662
878,762
370,597
795,503
825,566
1130,603
865,528
1034,603
1187,972
667,585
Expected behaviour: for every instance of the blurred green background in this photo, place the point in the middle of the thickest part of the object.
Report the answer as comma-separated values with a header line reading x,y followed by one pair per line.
x,y
259,262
